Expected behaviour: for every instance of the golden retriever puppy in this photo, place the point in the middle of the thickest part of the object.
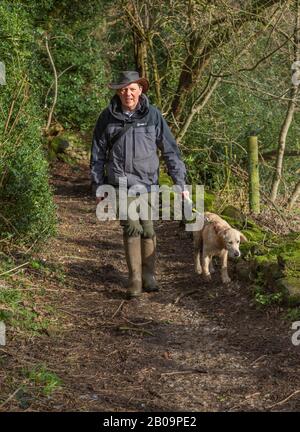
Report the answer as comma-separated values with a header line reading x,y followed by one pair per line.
x,y
216,238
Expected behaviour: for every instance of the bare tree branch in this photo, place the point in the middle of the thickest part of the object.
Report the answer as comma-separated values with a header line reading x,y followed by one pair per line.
x,y
55,86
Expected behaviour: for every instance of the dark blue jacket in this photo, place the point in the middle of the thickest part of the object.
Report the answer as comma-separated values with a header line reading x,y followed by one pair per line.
x,y
134,154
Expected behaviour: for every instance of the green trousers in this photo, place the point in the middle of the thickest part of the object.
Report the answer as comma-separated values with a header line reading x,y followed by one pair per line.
x,y
139,221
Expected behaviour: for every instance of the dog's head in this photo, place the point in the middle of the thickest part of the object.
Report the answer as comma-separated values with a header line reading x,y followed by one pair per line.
x,y
232,239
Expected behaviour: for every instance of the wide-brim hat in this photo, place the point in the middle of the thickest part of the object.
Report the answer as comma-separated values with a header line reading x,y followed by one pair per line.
x,y
128,77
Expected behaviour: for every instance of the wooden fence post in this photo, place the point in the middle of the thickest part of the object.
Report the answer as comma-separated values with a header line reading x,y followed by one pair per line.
x,y
254,196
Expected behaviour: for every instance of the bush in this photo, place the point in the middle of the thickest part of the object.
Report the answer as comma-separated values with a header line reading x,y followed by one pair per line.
x,y
27,208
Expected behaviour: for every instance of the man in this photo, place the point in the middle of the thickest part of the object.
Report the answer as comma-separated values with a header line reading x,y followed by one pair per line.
x,y
125,142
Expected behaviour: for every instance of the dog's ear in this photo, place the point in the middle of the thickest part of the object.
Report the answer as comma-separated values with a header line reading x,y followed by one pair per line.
x,y
219,228
243,239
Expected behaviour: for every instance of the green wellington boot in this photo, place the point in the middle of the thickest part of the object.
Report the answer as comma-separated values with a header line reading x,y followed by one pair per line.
x,y
132,246
148,264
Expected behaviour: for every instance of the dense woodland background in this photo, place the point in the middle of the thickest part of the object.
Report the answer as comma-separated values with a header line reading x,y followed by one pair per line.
x,y
225,74
219,71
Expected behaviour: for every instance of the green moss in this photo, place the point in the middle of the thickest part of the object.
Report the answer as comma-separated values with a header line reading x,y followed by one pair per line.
x,y
235,214
209,201
276,264
67,159
74,139
293,314
249,228
290,286
255,235
263,260
165,179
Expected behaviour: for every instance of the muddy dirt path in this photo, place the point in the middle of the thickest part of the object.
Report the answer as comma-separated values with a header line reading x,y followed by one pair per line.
x,y
212,350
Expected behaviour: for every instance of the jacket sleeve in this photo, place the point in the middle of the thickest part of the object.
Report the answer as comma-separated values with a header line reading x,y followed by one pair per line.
x,y
98,151
170,151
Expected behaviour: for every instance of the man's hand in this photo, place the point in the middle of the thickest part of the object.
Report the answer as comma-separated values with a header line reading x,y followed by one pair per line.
x,y
99,199
185,194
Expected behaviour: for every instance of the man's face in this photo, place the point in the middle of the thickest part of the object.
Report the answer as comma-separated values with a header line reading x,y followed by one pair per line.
x,y
129,96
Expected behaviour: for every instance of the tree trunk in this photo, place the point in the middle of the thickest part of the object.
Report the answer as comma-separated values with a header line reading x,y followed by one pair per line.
x,y
295,195
140,56
139,28
254,198
289,115
282,144
156,78
190,75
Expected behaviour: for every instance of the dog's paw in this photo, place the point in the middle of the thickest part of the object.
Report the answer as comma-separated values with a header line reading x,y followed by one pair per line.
x,y
226,279
207,277
198,270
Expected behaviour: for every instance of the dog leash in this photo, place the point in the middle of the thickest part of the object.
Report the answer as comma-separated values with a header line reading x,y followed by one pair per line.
x,y
206,220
